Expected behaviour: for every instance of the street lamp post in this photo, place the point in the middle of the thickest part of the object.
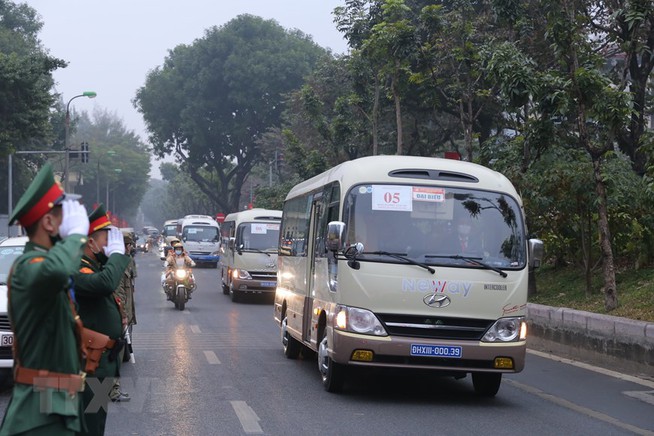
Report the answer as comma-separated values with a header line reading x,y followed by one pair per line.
x,y
117,171
89,94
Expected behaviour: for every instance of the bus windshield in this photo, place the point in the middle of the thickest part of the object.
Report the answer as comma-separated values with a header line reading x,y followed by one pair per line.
x,y
200,233
435,225
258,236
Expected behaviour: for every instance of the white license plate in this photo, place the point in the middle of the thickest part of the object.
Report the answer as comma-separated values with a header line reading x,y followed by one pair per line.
x,y
7,340
268,284
436,351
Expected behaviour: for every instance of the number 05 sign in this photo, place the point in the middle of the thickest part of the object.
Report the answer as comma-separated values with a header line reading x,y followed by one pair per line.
x,y
389,197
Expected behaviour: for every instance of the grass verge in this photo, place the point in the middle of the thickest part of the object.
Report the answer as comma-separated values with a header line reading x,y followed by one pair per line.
x,y
565,287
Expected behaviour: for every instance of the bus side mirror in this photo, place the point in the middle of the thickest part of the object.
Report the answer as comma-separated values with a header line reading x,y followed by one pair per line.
x,y
239,249
230,243
536,252
335,232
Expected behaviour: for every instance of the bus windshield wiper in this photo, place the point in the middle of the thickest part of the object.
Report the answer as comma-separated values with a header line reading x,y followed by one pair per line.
x,y
475,260
402,256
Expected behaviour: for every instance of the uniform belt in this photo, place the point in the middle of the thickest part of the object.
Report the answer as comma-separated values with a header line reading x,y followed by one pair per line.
x,y
42,378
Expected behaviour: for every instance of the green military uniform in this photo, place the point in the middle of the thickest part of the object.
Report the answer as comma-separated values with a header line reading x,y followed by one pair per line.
x,y
99,310
43,321
126,288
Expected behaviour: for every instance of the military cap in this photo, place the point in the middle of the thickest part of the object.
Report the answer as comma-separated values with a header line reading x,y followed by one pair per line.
x,y
99,219
43,194
128,238
177,244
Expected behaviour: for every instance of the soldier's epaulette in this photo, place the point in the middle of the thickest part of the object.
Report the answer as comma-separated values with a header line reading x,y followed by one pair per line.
x,y
86,270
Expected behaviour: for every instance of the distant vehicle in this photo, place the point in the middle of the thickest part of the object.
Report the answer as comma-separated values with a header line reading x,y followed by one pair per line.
x,y
168,233
249,252
10,250
200,235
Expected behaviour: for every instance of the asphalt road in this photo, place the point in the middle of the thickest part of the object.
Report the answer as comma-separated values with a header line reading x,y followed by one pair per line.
x,y
217,368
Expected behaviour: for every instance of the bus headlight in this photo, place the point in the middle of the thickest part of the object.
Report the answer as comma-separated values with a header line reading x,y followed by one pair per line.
x,y
507,330
241,274
355,320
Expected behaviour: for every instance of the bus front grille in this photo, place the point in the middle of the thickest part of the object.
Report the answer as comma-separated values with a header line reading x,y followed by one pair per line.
x,y
434,327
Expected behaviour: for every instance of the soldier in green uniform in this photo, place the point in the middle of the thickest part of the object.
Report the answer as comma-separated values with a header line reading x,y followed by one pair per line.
x,y
47,379
125,292
102,267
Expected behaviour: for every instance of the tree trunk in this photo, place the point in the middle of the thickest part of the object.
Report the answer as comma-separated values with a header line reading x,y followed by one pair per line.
x,y
398,112
608,266
375,118
531,283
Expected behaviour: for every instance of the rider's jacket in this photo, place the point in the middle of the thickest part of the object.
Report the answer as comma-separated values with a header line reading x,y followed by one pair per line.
x,y
171,260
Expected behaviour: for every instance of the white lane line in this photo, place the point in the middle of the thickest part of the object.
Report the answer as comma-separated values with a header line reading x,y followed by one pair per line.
x,y
580,409
646,396
608,372
196,329
211,357
249,419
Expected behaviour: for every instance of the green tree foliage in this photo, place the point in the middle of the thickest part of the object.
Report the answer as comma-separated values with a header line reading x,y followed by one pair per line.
x,y
211,100
174,197
25,78
112,147
27,104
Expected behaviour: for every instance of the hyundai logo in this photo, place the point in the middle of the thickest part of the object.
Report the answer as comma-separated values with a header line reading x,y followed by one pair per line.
x,y
436,300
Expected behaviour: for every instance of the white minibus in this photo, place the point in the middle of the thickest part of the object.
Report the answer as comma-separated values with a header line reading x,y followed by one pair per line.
x,y
249,252
408,263
200,235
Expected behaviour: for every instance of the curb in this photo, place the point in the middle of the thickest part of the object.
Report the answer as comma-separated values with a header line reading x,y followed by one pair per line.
x,y
603,340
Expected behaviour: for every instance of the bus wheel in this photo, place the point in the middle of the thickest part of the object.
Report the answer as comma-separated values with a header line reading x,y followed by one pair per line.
x,y
486,384
291,346
333,374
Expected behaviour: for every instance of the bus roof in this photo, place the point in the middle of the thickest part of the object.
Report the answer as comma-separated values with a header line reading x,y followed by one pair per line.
x,y
408,169
256,214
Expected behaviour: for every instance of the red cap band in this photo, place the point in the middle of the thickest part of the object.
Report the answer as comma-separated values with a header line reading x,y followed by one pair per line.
x,y
42,206
99,223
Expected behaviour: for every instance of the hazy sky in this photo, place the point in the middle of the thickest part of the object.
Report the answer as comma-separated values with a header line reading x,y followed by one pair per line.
x,y
111,45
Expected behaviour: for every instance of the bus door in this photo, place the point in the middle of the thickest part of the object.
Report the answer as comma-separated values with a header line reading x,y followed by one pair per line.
x,y
307,315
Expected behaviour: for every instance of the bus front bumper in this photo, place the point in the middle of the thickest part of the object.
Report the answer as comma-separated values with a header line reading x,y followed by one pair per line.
x,y
421,353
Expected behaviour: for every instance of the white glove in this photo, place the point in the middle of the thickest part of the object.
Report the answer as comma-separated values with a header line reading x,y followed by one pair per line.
x,y
74,221
115,242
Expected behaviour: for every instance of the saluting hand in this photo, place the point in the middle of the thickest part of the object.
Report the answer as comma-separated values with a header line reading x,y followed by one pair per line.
x,y
74,221
115,242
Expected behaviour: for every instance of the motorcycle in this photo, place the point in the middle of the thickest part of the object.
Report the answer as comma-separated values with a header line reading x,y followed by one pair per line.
x,y
182,285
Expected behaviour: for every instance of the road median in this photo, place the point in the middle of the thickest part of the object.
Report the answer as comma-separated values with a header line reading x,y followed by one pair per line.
x,y
608,341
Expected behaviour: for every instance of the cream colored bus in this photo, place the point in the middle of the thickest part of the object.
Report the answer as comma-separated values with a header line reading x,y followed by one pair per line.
x,y
406,262
249,252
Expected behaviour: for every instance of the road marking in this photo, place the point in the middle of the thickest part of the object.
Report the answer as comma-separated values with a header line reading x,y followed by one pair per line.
x,y
604,371
249,419
196,329
211,357
580,409
646,396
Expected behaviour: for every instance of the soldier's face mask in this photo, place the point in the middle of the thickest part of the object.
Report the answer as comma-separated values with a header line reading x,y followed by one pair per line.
x,y
178,252
98,252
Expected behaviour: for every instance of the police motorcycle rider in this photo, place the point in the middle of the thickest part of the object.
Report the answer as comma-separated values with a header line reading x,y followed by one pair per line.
x,y
177,257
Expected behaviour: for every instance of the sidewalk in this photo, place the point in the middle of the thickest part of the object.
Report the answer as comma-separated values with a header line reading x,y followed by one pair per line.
x,y
611,342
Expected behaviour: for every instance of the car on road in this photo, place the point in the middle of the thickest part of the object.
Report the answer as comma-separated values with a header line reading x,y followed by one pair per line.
x,y
10,250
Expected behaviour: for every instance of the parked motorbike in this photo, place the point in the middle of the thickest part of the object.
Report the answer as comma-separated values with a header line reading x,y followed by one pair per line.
x,y
183,285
